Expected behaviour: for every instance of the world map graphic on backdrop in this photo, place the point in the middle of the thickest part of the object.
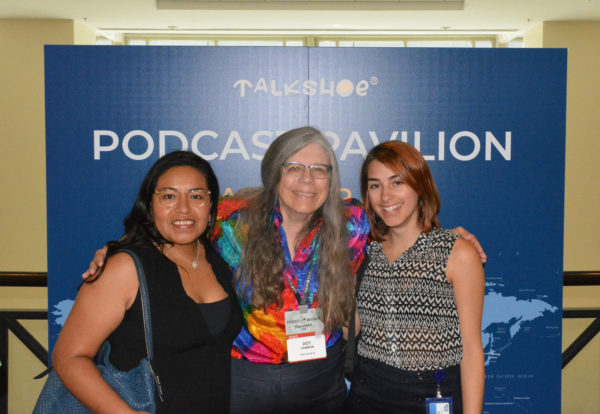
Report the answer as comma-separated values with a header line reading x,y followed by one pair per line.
x,y
504,318
510,320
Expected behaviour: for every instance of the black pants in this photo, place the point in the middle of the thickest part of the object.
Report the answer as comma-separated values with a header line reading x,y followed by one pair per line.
x,y
299,388
380,388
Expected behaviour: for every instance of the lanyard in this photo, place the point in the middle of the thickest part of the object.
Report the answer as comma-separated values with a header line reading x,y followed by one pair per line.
x,y
439,378
303,300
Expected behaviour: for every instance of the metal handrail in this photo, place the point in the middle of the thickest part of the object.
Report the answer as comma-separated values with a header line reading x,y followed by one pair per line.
x,y
24,279
586,278
9,321
581,278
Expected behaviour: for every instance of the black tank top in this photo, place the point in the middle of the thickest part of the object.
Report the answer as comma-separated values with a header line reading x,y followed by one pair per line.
x,y
191,354
216,315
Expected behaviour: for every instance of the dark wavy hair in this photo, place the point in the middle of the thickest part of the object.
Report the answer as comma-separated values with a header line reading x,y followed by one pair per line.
x,y
411,167
139,224
262,260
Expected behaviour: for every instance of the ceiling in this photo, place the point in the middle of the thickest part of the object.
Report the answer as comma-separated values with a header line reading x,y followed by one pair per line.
x,y
504,18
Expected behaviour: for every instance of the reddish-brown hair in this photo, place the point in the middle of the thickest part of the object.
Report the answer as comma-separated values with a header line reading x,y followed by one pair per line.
x,y
412,169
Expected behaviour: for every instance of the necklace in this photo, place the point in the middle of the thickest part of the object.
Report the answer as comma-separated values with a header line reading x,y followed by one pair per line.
x,y
195,262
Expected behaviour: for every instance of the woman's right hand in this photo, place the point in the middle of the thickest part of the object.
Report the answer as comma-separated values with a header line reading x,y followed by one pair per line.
x,y
96,263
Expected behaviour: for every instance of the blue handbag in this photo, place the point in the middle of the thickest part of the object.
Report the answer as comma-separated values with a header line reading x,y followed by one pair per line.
x,y
136,386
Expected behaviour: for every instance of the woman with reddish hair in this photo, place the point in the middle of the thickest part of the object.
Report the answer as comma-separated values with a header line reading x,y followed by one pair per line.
x,y
420,296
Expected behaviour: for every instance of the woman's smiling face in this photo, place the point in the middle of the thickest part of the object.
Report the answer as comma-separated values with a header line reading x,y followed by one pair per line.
x,y
301,196
394,201
181,205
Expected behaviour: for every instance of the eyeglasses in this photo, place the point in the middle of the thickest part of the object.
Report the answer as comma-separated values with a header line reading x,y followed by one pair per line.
x,y
169,197
296,170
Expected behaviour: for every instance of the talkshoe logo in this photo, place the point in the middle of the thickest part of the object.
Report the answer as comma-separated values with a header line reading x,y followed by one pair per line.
x,y
321,87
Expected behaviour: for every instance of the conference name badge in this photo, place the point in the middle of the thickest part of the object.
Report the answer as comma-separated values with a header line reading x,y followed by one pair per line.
x,y
304,333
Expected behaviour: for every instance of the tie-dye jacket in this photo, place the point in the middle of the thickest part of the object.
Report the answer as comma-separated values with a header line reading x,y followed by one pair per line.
x,y
262,338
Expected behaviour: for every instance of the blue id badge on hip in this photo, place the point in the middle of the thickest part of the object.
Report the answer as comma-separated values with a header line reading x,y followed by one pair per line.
x,y
438,405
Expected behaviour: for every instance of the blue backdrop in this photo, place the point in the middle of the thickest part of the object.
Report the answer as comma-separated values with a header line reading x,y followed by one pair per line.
x,y
491,123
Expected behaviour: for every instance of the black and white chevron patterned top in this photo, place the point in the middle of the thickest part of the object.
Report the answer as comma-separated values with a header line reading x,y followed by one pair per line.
x,y
407,310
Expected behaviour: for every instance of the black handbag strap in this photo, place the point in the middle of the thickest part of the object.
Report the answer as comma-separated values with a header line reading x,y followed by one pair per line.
x,y
350,357
144,296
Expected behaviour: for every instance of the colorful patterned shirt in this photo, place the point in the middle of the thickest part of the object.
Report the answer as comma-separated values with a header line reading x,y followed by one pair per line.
x,y
262,339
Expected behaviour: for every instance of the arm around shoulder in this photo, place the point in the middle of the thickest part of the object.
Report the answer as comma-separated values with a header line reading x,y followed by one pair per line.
x,y
465,235
465,273
98,310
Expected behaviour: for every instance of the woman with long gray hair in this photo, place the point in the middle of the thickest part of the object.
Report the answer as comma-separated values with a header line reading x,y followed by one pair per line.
x,y
295,245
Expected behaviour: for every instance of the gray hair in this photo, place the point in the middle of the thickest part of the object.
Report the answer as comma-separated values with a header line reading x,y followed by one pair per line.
x,y
262,261
287,145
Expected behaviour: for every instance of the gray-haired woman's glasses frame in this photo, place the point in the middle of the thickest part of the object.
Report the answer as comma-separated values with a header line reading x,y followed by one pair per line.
x,y
296,170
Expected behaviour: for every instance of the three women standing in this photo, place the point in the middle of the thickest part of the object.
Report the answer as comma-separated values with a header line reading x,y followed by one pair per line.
x,y
294,246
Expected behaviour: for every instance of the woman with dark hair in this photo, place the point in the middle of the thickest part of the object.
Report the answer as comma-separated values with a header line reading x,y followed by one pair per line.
x,y
420,297
195,315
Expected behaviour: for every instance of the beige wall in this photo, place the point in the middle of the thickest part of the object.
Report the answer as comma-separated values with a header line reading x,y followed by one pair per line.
x,y
581,378
22,157
22,136
582,195
534,37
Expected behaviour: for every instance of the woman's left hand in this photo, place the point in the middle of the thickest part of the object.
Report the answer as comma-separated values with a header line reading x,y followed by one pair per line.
x,y
465,235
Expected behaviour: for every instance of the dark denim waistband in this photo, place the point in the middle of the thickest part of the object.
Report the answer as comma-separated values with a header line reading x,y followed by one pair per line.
x,y
292,371
389,373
